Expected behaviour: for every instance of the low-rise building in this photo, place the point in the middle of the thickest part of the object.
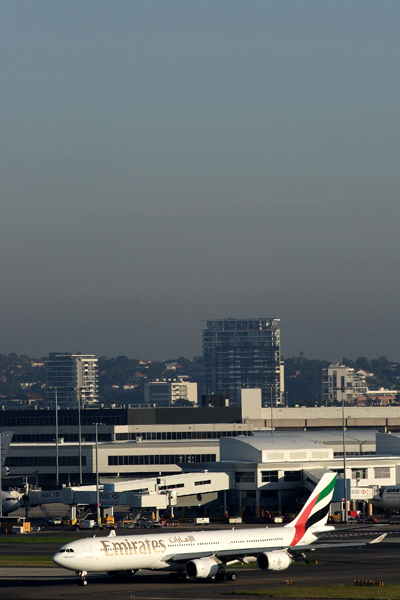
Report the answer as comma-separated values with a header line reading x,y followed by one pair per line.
x,y
168,392
342,383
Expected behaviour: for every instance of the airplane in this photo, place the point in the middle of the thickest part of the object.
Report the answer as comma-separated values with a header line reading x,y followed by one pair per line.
x,y
205,554
389,497
10,501
5,441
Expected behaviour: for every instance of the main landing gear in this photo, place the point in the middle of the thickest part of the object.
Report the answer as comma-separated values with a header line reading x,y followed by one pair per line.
x,y
82,580
224,576
176,576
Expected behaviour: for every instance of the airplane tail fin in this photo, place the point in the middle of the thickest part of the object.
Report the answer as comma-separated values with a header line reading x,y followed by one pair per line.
x,y
316,509
5,441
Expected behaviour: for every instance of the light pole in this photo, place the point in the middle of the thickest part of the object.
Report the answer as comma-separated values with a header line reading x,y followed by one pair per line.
x,y
57,468
56,439
344,460
97,476
79,396
272,413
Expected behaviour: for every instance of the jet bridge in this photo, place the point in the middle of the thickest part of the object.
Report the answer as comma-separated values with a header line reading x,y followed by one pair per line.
x,y
158,493
311,477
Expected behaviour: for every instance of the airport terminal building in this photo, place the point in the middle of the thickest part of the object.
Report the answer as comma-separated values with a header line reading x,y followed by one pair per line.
x,y
268,470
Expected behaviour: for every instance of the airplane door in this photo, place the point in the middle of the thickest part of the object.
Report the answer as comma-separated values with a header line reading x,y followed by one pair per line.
x,y
88,550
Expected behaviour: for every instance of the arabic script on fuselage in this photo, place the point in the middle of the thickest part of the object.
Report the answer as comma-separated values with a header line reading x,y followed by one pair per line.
x,y
177,539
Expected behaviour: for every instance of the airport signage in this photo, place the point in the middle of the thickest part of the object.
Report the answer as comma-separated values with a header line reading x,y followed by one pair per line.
x,y
361,493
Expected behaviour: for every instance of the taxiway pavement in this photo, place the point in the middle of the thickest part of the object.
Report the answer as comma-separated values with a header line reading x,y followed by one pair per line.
x,y
340,566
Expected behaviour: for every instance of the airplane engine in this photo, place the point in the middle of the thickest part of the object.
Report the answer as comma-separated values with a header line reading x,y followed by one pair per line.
x,y
201,568
274,561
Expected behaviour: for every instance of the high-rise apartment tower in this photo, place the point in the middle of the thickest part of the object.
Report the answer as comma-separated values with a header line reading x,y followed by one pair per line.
x,y
75,378
243,353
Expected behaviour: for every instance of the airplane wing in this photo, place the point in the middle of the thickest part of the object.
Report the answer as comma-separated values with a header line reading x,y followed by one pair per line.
x,y
376,540
299,549
223,555
241,553
177,558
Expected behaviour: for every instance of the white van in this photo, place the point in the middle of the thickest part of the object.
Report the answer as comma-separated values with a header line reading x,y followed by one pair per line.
x,y
88,524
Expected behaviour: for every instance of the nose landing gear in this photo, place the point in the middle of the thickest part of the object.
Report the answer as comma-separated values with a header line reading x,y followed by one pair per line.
x,y
82,580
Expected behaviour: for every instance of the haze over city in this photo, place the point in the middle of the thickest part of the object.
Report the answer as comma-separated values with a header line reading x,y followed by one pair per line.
x,y
165,163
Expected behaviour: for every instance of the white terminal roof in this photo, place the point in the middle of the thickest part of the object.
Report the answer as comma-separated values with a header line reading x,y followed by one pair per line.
x,y
281,442
358,440
267,448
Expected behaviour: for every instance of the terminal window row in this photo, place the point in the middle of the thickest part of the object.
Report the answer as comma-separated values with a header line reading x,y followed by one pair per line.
x,y
172,486
178,435
162,459
87,420
44,461
273,476
46,438
379,473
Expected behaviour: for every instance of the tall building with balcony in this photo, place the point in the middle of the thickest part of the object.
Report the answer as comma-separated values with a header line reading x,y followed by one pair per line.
x,y
342,384
73,377
243,353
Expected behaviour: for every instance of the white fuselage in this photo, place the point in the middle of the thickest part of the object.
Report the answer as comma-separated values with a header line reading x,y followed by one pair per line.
x,y
10,502
389,498
152,551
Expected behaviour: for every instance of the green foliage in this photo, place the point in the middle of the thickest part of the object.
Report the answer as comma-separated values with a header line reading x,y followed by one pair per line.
x,y
183,402
116,371
386,374
121,397
303,380
303,376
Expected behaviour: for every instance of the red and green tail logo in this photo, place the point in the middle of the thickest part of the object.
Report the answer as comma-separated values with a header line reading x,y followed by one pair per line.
x,y
316,508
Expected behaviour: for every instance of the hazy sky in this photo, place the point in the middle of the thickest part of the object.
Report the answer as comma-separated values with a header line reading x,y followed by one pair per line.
x,y
165,162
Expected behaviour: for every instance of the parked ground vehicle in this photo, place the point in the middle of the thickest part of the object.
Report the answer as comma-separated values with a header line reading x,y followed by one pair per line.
x,y
155,524
372,520
142,522
147,523
88,524
55,521
202,521
335,519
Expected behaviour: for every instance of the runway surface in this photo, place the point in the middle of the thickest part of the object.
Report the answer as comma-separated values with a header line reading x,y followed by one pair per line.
x,y
340,566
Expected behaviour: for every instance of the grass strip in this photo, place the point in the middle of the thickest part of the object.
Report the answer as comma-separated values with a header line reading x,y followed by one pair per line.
x,y
25,560
27,539
336,592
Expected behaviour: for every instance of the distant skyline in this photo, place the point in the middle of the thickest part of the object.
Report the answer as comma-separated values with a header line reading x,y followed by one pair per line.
x,y
166,163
